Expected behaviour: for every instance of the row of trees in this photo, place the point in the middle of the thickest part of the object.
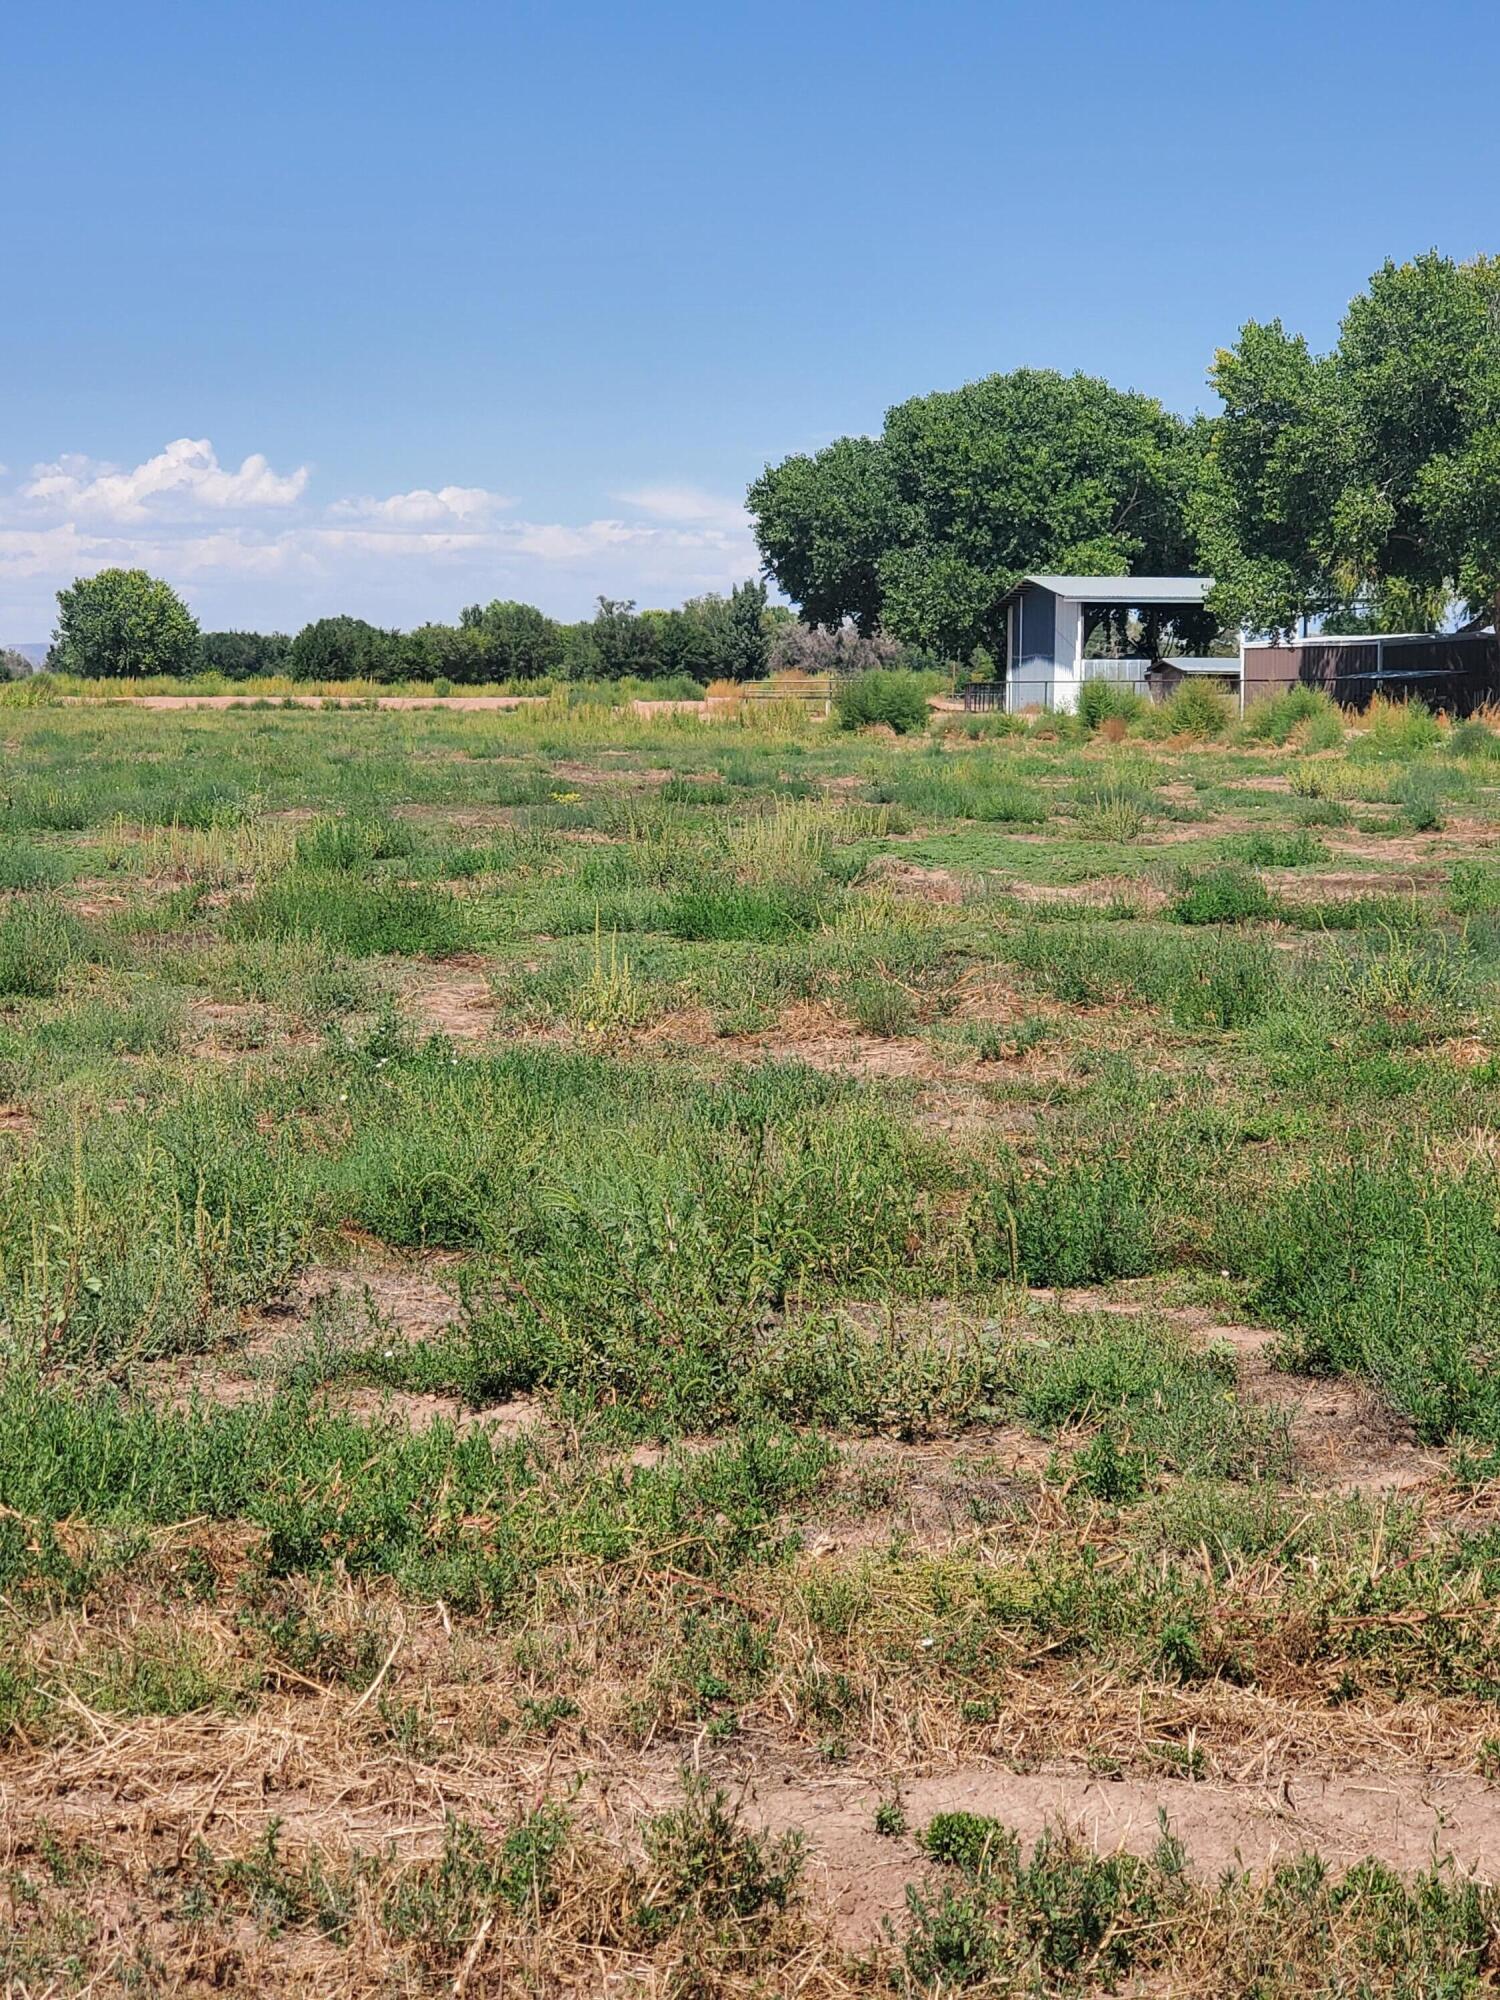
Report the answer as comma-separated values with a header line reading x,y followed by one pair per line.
x,y
125,622
1362,485
708,638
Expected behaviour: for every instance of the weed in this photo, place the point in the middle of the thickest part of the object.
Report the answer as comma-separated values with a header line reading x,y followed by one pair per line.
x,y
1197,708
1226,895
1115,813
38,943
1298,849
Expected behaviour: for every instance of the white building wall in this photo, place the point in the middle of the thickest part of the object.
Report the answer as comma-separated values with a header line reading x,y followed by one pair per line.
x,y
1067,653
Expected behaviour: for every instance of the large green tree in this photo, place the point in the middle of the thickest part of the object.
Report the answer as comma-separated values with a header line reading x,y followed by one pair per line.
x,y
824,525
921,531
510,641
123,621
1366,479
346,649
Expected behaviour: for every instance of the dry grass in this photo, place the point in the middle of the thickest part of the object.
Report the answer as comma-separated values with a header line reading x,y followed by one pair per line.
x,y
239,1752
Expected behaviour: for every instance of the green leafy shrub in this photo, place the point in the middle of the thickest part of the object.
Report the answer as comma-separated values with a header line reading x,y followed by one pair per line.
x,y
882,1007
25,865
353,843
899,700
1339,778
1399,727
1231,984
1474,739
1321,812
1101,701
351,913
1420,803
971,1841
1276,718
707,1863
1114,813
1197,707
1473,888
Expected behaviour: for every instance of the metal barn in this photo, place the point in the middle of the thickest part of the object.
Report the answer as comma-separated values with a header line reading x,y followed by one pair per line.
x,y
1062,631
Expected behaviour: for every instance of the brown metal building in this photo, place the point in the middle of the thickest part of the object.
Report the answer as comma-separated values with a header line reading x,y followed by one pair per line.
x,y
1456,671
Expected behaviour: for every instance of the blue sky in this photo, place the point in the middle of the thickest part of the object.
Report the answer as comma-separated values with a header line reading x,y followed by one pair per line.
x,y
385,308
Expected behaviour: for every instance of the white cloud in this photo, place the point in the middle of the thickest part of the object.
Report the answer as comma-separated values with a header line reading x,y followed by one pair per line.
x,y
250,548
184,477
687,504
464,506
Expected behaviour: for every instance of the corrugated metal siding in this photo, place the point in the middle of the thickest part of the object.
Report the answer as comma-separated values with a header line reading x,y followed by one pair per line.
x,y
1455,672
1033,671
1270,670
1038,625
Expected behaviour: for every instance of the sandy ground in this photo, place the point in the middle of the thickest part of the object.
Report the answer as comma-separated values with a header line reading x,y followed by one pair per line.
x,y
226,1779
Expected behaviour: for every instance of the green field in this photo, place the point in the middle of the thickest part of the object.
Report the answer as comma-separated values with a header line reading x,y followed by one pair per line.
x,y
716,1357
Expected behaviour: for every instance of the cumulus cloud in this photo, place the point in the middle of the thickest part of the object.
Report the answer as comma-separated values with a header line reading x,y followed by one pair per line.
x,y
461,506
184,477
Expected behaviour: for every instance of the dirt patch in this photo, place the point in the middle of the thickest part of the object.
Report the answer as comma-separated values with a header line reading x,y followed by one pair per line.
x,y
1407,1822
414,1300
1095,894
684,1027
1346,1440
568,770
303,1765
1465,1051
904,878
1299,886
455,998
941,1495
1172,833
325,1310
1413,850
847,1055
225,1030
809,1032
460,819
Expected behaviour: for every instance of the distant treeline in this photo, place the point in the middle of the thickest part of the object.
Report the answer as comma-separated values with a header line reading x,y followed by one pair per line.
x,y
735,638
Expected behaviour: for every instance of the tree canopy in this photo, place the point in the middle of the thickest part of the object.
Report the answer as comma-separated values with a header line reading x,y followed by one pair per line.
x,y
1368,477
123,621
921,531
240,656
